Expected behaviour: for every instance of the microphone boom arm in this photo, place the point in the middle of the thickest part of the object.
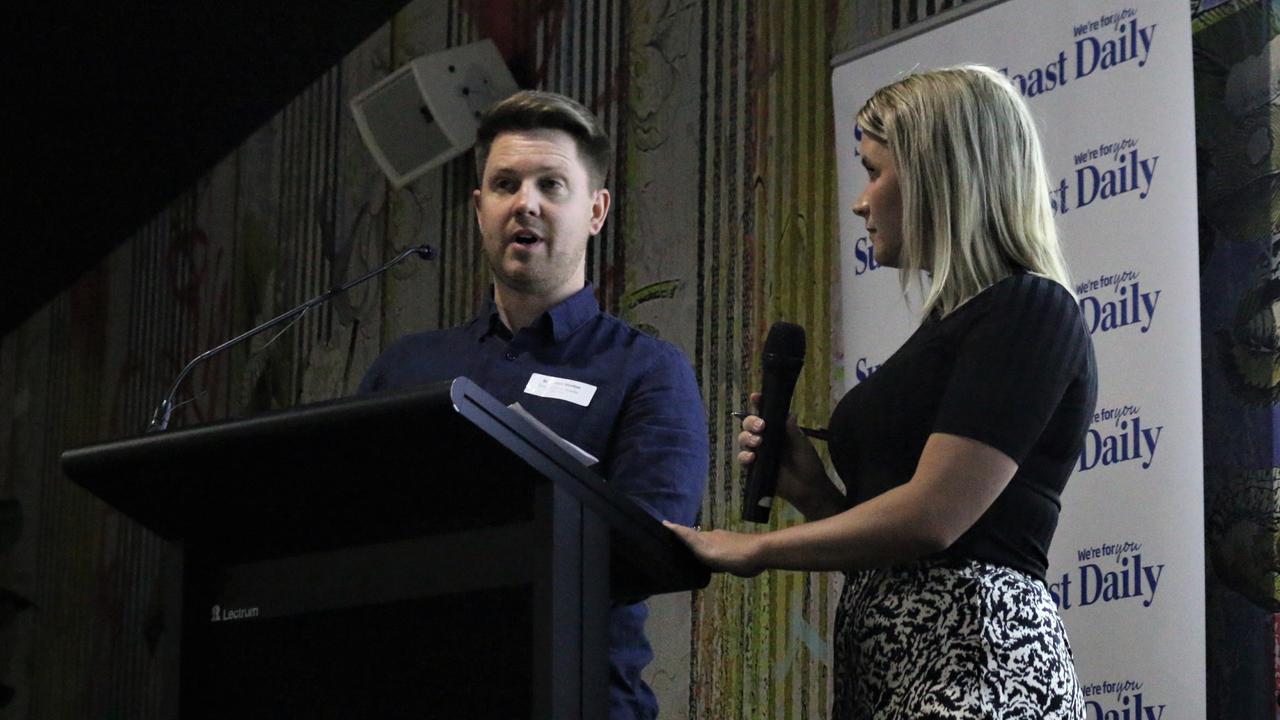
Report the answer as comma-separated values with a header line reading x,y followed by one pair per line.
x,y
160,420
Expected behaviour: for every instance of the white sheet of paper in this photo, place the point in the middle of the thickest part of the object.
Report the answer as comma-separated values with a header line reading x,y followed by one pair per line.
x,y
578,453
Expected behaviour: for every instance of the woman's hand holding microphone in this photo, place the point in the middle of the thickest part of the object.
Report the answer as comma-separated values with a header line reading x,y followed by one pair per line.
x,y
802,478
802,481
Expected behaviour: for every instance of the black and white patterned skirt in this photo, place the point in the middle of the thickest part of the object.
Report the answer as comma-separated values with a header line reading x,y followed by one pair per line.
x,y
951,639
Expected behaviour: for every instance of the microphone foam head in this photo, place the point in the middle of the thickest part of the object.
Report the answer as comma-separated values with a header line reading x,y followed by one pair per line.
x,y
785,340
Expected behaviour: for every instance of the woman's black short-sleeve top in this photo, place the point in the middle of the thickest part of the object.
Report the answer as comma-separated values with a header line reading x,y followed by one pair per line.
x,y
1013,368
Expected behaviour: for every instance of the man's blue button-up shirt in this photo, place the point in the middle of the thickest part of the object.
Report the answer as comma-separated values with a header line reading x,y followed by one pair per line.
x,y
645,422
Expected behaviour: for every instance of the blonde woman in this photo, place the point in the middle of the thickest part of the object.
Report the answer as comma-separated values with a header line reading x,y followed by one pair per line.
x,y
955,452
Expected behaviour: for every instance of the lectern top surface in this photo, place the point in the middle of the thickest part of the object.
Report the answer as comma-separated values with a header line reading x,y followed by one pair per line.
x,y
386,466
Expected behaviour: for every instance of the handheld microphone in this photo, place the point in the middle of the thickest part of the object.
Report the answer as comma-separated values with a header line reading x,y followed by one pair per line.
x,y
160,420
783,358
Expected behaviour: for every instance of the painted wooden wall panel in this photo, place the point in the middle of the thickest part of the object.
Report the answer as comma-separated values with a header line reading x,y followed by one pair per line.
x,y
204,251
261,368
358,235
119,564
124,410
23,439
658,213
464,276
350,237
725,658
306,206
136,591
768,241
415,214
65,553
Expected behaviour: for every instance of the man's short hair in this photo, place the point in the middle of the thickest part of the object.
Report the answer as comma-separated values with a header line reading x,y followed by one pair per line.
x,y
540,110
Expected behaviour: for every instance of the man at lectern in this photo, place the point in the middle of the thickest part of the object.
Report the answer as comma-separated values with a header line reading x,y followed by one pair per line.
x,y
629,399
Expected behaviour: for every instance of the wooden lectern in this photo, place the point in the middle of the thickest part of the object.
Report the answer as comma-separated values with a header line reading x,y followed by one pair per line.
x,y
422,554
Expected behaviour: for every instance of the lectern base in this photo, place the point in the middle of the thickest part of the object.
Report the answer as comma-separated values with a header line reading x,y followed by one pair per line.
x,y
426,658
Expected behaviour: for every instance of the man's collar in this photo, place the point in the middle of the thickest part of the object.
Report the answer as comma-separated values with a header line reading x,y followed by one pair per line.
x,y
562,319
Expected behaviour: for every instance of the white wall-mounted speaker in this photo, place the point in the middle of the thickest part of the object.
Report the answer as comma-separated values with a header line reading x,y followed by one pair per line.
x,y
427,111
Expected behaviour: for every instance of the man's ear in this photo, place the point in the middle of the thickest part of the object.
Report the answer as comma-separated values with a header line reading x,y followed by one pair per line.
x,y
475,200
599,210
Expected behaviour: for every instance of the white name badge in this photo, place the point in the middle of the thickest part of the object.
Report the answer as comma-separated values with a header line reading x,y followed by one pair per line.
x,y
578,393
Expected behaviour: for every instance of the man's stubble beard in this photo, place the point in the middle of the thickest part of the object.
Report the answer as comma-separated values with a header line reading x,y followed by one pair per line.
x,y
540,277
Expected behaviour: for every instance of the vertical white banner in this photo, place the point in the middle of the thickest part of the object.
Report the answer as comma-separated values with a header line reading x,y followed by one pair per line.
x,y
1110,85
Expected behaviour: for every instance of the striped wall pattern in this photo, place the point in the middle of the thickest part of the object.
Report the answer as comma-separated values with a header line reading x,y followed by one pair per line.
x,y
908,12
766,253
306,206
465,277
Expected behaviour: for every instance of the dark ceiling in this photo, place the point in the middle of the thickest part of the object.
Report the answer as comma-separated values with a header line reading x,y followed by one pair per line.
x,y
120,106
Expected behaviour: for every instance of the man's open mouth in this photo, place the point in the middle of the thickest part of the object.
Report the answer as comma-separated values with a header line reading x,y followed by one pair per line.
x,y
525,237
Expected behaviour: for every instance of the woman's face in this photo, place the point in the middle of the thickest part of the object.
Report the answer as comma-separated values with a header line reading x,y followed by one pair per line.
x,y
880,204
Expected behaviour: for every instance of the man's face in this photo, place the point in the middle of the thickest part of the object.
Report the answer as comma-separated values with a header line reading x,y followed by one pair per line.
x,y
536,209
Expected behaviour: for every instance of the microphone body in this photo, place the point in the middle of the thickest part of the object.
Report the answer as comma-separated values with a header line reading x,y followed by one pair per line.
x,y
783,357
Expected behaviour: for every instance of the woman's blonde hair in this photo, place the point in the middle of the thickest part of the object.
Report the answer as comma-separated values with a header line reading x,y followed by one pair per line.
x,y
975,194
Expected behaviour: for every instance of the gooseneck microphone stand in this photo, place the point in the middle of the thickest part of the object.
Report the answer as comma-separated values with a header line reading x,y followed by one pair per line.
x,y
160,421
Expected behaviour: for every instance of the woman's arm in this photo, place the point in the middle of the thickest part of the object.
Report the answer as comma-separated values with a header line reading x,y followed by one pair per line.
x,y
955,482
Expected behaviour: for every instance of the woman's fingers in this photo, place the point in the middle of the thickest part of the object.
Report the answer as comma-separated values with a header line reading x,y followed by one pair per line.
x,y
719,550
752,426
686,534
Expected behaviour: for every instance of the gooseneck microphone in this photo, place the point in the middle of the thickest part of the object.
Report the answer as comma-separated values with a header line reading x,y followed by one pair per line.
x,y
783,358
160,420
